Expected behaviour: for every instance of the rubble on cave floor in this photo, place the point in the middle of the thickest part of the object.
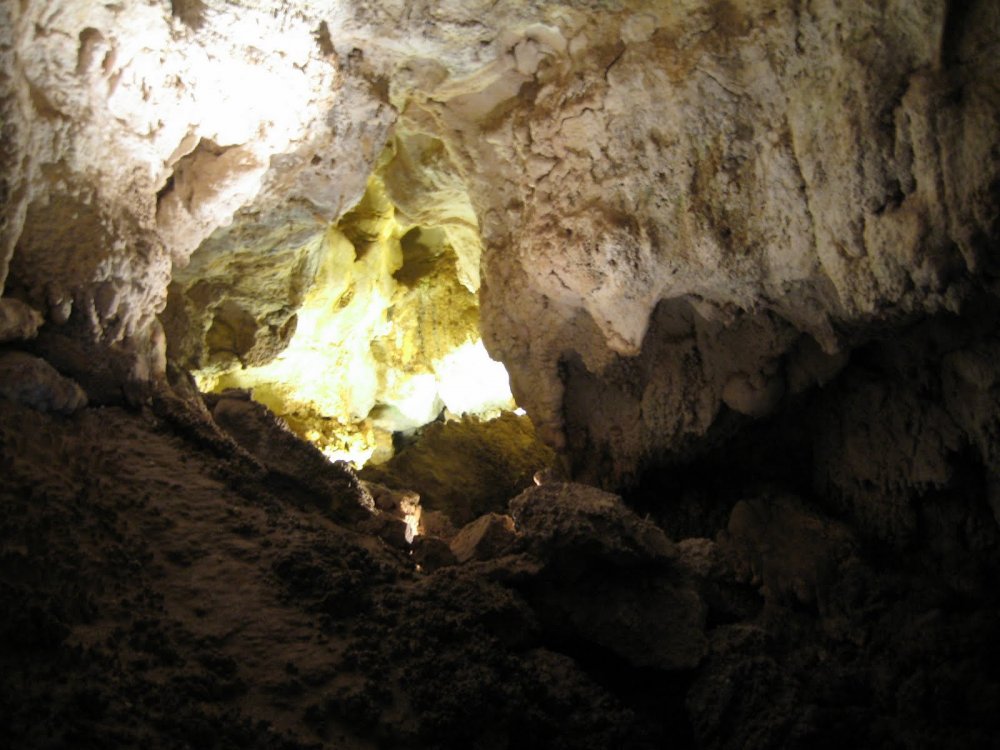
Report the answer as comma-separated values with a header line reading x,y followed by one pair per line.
x,y
174,588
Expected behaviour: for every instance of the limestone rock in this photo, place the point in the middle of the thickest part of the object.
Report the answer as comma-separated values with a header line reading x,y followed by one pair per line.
x,y
33,382
591,547
385,307
387,527
397,502
659,623
131,136
296,469
672,197
485,538
402,506
571,524
122,372
466,468
431,553
697,555
789,552
18,321
657,206
437,524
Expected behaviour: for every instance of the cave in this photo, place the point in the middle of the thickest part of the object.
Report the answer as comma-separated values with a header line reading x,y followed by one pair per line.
x,y
537,374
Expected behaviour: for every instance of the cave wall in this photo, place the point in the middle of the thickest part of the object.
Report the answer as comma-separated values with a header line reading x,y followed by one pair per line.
x,y
687,212
138,130
743,253
792,175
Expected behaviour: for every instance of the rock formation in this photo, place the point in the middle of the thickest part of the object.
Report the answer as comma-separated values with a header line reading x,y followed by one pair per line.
x,y
739,260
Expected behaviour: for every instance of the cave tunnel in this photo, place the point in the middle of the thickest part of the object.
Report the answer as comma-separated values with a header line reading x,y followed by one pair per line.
x,y
499,374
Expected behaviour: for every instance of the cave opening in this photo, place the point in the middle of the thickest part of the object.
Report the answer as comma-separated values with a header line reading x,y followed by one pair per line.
x,y
363,337
357,334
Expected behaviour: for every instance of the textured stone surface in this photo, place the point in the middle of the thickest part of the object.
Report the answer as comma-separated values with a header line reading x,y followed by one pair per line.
x,y
685,211
298,468
673,201
151,561
789,553
18,321
134,131
680,219
465,468
568,522
383,307
485,538
609,577
33,382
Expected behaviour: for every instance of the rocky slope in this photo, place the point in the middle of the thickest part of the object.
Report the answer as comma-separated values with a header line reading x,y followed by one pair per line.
x,y
170,579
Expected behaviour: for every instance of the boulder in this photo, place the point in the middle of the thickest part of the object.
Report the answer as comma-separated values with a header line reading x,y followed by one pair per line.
x,y
648,621
570,524
609,577
485,538
431,553
18,321
33,382
393,531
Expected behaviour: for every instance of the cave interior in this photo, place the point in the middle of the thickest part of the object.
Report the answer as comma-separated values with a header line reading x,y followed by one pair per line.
x,y
502,373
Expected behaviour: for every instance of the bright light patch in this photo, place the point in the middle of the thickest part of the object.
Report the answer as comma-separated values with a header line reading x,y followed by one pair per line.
x,y
356,456
415,403
412,526
471,382
411,516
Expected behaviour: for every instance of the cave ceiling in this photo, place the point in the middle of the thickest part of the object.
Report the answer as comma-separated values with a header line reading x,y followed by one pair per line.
x,y
653,214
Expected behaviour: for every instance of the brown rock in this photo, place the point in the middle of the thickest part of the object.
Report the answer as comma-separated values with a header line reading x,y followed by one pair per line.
x,y
437,523
18,321
33,382
297,469
431,553
654,622
790,552
400,503
571,523
391,530
487,537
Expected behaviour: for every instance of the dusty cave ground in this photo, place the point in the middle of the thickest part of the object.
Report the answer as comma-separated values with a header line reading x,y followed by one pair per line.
x,y
181,575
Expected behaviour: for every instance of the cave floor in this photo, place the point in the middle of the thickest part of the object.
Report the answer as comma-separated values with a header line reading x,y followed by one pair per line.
x,y
153,597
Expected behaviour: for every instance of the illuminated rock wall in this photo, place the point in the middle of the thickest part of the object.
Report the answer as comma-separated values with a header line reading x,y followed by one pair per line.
x,y
368,328
687,211
696,209
132,131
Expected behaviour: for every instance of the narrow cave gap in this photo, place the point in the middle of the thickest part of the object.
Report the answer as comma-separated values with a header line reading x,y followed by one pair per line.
x,y
371,350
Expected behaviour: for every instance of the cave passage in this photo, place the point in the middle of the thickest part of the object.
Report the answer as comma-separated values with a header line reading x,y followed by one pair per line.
x,y
374,334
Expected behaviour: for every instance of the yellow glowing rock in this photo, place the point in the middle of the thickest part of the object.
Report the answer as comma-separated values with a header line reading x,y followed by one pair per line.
x,y
387,336
468,467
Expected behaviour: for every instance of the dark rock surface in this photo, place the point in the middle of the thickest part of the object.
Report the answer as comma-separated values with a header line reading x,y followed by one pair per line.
x,y
467,467
485,538
172,580
32,381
